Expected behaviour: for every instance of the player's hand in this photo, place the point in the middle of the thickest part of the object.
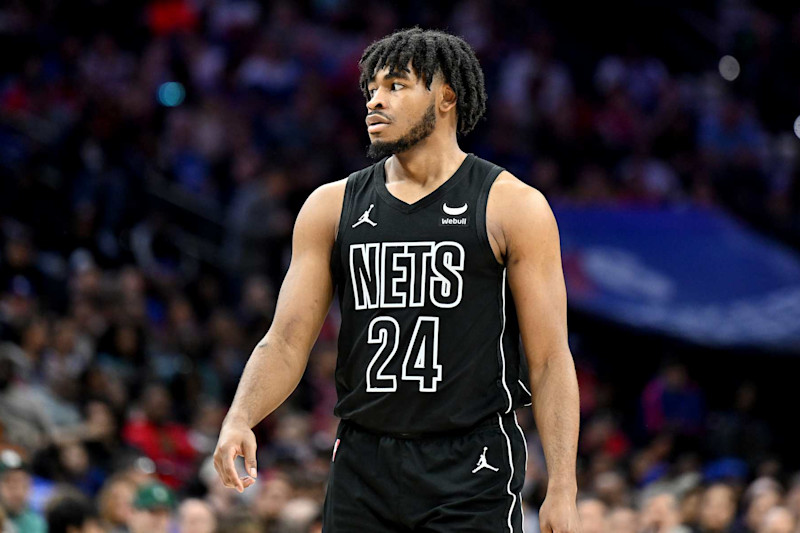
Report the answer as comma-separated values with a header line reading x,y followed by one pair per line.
x,y
236,439
559,514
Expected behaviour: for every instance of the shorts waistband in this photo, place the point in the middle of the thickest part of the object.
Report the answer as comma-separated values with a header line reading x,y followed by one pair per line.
x,y
490,421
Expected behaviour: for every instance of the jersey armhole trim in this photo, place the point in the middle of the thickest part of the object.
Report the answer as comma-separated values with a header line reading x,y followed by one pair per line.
x,y
483,201
347,202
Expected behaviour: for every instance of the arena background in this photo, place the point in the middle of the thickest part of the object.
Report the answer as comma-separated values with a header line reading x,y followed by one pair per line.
x,y
153,156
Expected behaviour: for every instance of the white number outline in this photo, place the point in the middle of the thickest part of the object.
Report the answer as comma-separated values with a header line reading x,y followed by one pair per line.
x,y
382,339
434,356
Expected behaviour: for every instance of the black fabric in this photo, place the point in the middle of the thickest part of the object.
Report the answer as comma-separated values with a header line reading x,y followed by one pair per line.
x,y
424,303
387,484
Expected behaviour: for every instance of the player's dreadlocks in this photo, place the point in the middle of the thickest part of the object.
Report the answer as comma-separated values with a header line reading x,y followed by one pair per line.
x,y
431,51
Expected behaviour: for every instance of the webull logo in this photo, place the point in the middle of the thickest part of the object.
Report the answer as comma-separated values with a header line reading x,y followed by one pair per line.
x,y
453,221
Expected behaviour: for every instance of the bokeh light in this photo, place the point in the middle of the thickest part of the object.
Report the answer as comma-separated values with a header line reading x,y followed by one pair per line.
x,y
171,94
797,127
729,68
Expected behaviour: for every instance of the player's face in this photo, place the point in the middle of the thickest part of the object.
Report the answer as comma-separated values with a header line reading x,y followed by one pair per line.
x,y
400,111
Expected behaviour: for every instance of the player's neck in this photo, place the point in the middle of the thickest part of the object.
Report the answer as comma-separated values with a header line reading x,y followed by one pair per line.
x,y
426,163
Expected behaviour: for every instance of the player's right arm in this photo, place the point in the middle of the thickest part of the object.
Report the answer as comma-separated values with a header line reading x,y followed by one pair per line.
x,y
279,360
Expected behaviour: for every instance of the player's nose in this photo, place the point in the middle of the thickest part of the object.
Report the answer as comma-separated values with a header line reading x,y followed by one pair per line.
x,y
376,101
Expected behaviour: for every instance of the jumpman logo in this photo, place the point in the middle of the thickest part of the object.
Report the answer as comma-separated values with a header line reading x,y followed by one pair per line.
x,y
365,218
482,462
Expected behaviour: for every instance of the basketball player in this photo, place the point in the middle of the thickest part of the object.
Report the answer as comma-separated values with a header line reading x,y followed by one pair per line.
x,y
440,260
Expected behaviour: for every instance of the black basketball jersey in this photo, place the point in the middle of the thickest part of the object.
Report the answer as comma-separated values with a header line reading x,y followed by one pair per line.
x,y
429,339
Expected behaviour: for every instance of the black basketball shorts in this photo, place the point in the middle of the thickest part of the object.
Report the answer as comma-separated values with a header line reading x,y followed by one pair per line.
x,y
467,482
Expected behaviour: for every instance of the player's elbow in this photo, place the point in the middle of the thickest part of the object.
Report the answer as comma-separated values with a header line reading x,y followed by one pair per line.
x,y
557,359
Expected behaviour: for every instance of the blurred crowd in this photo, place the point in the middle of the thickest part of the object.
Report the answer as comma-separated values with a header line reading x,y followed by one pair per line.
x,y
153,156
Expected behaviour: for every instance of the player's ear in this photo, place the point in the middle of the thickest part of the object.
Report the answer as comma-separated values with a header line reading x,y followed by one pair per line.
x,y
447,98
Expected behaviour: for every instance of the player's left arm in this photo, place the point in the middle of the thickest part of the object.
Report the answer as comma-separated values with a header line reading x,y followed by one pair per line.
x,y
526,233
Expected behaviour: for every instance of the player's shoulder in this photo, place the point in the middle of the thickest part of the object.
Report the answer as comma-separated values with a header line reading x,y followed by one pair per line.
x,y
515,212
361,178
516,198
335,191
323,207
329,191
321,210
325,200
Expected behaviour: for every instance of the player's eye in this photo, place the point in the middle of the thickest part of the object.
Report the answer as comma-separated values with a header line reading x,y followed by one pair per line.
x,y
397,86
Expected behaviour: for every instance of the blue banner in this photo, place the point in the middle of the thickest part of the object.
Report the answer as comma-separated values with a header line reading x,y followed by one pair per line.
x,y
685,271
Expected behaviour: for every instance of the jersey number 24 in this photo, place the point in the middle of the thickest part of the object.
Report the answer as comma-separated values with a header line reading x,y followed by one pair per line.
x,y
421,362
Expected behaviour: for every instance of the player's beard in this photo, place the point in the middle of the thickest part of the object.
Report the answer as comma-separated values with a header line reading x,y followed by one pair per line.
x,y
418,132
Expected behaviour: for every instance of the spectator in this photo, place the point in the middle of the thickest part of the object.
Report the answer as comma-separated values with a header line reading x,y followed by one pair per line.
x,y
792,500
101,435
612,489
196,516
622,520
718,509
19,262
273,495
35,339
298,515
23,416
116,503
777,520
672,401
730,133
647,180
66,360
222,501
691,507
152,509
762,495
241,523
532,78
76,469
15,493
72,513
740,432
660,514
604,434
259,225
156,252
592,513
162,440
640,76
